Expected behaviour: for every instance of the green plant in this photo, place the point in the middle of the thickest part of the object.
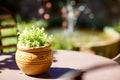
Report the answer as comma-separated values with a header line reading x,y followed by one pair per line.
x,y
34,37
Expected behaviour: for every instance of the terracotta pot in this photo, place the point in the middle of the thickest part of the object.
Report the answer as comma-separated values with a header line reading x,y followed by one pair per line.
x,y
34,61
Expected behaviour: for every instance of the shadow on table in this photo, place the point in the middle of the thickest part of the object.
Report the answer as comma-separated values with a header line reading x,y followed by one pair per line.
x,y
7,60
55,73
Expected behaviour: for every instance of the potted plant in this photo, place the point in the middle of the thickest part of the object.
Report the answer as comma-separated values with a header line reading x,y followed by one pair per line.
x,y
34,54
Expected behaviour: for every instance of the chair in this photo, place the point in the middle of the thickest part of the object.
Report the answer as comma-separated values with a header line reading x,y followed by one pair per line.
x,y
5,24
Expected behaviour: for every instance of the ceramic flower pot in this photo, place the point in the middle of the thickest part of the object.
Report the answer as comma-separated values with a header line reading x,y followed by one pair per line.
x,y
34,61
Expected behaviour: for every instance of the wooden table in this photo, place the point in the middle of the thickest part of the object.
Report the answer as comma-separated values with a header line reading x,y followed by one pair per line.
x,y
65,65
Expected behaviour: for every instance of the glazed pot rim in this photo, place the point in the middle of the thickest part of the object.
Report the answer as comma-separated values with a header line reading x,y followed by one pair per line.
x,y
34,49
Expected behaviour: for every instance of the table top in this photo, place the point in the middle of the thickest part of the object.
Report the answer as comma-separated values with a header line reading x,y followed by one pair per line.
x,y
66,65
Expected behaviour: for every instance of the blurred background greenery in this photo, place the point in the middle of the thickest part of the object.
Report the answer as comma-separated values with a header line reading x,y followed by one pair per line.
x,y
92,15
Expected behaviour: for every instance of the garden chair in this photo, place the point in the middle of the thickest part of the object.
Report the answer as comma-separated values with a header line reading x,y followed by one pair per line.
x,y
5,17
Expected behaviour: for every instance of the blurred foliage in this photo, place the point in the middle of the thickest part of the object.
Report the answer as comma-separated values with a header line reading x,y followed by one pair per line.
x,y
58,42
22,24
117,27
84,38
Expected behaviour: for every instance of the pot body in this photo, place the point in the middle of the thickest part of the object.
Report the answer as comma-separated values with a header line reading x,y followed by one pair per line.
x,y
34,61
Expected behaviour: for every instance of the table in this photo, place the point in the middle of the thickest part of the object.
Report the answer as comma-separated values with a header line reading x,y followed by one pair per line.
x,y
66,64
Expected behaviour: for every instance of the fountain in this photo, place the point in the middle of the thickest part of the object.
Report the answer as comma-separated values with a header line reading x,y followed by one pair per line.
x,y
72,14
71,18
